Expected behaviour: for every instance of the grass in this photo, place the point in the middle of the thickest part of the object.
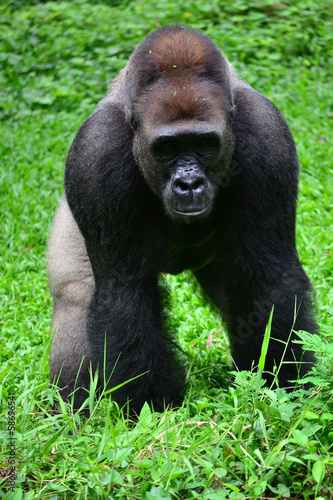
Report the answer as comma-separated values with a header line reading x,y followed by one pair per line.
x,y
232,438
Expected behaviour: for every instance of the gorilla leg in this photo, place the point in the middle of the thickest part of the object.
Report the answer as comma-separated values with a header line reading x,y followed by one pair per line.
x,y
72,285
126,321
125,316
246,301
69,358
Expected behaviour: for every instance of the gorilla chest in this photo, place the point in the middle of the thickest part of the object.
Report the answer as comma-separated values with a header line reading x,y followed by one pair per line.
x,y
191,249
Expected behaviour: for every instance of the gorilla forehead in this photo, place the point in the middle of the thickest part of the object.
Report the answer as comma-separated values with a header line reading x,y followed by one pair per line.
x,y
181,100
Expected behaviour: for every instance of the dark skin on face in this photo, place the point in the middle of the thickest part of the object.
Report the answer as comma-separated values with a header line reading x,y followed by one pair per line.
x,y
185,157
184,163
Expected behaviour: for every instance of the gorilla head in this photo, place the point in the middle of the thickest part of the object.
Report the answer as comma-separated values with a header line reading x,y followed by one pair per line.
x,y
181,166
180,106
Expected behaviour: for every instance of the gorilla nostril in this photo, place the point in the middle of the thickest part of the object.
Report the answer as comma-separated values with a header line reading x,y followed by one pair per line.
x,y
198,185
182,187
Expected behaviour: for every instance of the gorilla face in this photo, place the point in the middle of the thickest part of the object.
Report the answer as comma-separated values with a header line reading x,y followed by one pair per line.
x,y
184,164
188,192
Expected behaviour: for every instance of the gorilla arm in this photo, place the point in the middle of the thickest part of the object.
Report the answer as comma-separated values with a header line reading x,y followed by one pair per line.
x,y
105,287
258,265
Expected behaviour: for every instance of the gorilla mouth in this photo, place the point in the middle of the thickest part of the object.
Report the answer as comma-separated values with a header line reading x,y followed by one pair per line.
x,y
191,211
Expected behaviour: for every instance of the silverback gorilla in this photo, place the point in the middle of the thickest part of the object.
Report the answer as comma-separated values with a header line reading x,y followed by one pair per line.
x,y
181,166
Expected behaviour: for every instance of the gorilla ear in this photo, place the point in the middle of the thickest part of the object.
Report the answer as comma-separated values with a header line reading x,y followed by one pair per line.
x,y
231,114
134,123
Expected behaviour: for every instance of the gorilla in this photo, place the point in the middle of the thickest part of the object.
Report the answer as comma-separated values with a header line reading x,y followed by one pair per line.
x,y
181,166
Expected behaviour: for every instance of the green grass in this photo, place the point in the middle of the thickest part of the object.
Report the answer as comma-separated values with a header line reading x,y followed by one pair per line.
x,y
232,438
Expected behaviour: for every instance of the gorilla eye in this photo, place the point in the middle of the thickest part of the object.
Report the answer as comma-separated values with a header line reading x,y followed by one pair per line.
x,y
170,146
206,143
203,143
166,147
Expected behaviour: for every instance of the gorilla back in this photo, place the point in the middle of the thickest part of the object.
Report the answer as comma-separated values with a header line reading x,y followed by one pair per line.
x,y
181,166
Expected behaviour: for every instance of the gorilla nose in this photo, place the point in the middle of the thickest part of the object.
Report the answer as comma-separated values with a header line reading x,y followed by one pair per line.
x,y
189,183
185,186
